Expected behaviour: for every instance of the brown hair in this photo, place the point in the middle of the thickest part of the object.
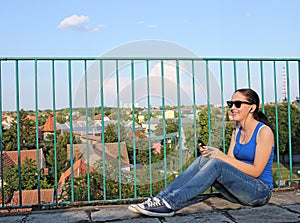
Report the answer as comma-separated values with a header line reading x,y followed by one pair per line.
x,y
253,98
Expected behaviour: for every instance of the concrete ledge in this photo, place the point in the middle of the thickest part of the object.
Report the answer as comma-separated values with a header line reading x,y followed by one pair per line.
x,y
284,206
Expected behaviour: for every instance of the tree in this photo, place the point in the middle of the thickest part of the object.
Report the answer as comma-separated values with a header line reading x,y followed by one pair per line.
x,y
61,153
111,133
29,180
283,126
27,134
170,127
216,127
215,133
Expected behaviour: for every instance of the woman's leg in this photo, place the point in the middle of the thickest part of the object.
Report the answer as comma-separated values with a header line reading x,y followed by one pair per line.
x,y
184,177
246,189
225,193
236,186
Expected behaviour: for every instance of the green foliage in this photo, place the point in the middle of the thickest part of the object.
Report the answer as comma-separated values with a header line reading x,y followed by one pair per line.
x,y
215,134
283,126
61,154
202,130
170,126
114,187
111,133
27,134
29,178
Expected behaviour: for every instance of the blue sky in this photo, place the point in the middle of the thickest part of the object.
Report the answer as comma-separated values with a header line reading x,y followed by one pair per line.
x,y
231,28
92,28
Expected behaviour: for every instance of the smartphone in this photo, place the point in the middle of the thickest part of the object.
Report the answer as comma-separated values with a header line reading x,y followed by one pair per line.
x,y
202,144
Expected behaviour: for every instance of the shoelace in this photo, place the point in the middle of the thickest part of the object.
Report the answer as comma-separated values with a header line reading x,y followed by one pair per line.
x,y
154,202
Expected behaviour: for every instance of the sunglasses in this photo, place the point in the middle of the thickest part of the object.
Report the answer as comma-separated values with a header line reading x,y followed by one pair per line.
x,y
237,104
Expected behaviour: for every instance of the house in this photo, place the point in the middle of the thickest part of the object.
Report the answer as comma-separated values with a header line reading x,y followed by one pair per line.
x,y
79,168
6,121
30,197
158,141
91,138
169,114
48,127
11,157
95,153
152,124
98,117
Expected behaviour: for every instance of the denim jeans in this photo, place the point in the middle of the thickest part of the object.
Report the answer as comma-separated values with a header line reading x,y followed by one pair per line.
x,y
234,185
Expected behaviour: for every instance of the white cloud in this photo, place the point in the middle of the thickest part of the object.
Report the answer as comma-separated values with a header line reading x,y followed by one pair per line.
x,y
72,21
79,23
97,28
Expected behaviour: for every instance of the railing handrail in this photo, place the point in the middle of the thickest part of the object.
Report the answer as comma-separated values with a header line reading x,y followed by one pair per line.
x,y
158,58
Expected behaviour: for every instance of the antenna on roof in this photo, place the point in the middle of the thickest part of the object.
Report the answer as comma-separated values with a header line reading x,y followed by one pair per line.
x,y
284,98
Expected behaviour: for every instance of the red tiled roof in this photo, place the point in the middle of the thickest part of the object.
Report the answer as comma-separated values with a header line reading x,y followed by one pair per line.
x,y
79,167
91,137
7,160
138,134
97,117
30,197
49,125
95,152
11,157
30,117
81,118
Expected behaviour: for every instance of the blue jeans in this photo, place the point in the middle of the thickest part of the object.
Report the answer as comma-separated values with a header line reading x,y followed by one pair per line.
x,y
203,173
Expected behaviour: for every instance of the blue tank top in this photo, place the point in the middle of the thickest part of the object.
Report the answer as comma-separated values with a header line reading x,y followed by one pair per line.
x,y
246,153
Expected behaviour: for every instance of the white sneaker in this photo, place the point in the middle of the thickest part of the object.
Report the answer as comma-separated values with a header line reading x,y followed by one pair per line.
x,y
155,207
133,209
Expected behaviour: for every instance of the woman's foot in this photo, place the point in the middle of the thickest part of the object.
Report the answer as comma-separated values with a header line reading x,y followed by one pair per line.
x,y
155,207
133,209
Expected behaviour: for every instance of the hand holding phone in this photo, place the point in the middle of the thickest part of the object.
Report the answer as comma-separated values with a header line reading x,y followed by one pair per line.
x,y
200,142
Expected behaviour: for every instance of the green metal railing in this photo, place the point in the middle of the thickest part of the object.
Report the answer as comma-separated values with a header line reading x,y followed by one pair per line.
x,y
167,83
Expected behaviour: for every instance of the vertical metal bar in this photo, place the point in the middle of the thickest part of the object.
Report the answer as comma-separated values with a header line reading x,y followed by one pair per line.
x,y
262,86
235,80
194,108
37,131
71,129
208,107
87,131
18,131
179,113
223,108
276,124
299,80
103,128
249,73
235,75
289,120
164,120
119,129
55,133
133,126
1,135
208,104
149,130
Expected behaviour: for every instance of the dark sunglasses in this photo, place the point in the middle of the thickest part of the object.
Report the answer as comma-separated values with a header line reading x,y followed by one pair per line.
x,y
237,104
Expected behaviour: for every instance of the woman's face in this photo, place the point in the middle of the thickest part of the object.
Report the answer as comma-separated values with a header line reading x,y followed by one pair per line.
x,y
239,109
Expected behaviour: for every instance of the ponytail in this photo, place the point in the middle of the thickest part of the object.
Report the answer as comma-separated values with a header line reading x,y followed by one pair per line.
x,y
261,117
252,97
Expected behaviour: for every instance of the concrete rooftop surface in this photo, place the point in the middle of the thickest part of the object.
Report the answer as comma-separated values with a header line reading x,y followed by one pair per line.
x,y
284,206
